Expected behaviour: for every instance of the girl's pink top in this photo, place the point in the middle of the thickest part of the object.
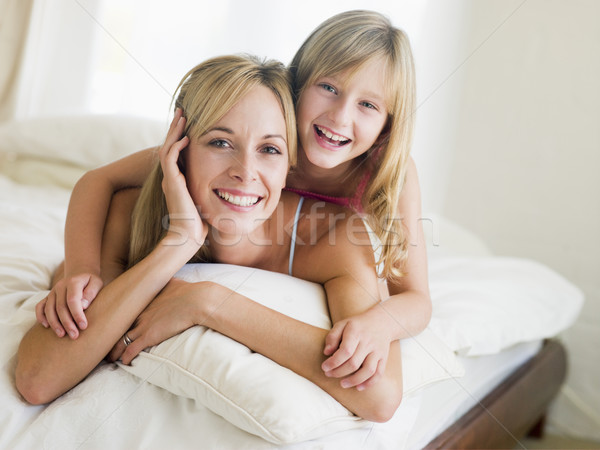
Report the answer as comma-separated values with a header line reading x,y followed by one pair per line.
x,y
354,202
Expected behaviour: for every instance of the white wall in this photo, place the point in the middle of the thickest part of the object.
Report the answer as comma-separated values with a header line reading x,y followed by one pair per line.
x,y
526,162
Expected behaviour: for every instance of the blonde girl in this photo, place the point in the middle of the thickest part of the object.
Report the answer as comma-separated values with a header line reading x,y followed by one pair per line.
x,y
354,86
236,118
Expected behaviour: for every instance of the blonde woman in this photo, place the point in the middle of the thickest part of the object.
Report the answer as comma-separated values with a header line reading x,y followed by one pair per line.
x,y
236,118
354,87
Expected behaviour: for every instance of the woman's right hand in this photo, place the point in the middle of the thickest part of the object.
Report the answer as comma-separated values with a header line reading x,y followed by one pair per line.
x,y
184,219
63,308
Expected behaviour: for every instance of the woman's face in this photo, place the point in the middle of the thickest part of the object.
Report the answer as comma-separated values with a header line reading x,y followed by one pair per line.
x,y
236,170
341,116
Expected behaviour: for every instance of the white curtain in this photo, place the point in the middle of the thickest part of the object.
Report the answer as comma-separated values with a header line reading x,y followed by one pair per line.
x,y
110,56
14,24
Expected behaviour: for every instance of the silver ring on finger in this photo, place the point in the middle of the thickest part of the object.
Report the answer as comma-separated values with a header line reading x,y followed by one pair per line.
x,y
127,340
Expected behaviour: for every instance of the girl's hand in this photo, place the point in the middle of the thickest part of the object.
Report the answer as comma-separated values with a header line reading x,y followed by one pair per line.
x,y
63,308
358,348
170,313
184,220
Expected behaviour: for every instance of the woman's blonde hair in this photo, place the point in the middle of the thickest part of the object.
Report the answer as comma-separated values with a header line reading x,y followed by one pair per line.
x,y
205,94
345,43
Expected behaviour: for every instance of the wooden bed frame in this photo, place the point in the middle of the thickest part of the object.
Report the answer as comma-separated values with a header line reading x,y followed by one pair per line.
x,y
515,408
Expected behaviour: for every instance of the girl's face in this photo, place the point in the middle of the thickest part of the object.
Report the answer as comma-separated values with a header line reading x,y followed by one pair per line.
x,y
341,116
236,170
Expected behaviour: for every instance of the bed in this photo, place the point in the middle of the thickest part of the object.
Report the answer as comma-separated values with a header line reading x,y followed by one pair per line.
x,y
481,376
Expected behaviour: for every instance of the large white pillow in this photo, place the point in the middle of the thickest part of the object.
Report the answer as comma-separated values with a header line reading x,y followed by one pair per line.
x,y
255,393
85,141
482,305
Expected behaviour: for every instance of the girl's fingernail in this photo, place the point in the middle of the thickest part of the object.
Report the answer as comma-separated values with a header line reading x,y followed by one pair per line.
x,y
81,324
85,303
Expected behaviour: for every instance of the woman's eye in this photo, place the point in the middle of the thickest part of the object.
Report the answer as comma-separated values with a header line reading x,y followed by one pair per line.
x,y
220,143
271,150
328,87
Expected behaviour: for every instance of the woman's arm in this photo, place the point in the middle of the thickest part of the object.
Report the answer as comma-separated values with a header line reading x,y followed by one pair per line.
x,y
47,365
351,289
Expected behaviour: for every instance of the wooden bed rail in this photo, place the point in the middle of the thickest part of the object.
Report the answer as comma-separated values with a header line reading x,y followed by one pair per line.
x,y
511,410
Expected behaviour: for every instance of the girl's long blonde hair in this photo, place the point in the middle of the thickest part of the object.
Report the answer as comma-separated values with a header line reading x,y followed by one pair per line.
x,y
205,94
345,43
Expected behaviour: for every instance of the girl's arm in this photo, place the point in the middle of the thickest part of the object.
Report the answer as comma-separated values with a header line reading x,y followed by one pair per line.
x,y
81,276
405,313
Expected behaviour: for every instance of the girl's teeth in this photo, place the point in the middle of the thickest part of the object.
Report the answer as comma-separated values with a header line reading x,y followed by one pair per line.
x,y
237,200
330,135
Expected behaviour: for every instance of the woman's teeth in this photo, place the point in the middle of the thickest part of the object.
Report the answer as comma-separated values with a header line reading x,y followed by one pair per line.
x,y
332,137
237,199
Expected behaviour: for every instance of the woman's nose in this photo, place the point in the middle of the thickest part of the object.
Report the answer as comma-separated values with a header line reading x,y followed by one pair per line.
x,y
243,167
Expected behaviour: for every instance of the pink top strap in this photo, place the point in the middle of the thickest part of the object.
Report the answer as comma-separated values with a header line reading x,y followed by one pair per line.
x,y
354,202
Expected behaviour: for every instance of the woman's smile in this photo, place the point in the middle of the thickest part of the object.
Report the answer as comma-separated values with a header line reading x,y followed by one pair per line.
x,y
238,200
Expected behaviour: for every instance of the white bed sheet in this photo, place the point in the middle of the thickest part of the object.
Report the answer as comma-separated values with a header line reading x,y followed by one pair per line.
x,y
445,402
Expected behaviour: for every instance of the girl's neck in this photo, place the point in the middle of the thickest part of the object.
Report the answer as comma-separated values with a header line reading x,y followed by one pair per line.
x,y
339,181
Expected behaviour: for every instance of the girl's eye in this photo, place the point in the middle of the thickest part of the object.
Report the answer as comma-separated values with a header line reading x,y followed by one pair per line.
x,y
271,150
328,87
368,105
220,143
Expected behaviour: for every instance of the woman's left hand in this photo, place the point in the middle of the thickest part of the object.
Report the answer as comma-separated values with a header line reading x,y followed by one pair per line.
x,y
170,313
184,219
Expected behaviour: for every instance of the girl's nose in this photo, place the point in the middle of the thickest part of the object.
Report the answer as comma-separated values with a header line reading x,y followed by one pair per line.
x,y
340,112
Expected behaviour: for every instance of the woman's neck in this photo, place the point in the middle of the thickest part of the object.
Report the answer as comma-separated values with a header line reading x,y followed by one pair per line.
x,y
258,249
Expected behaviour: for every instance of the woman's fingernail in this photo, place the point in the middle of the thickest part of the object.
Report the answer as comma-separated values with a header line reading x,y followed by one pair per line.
x,y
85,303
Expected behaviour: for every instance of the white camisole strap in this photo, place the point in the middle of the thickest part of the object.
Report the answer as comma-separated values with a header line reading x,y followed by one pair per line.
x,y
294,230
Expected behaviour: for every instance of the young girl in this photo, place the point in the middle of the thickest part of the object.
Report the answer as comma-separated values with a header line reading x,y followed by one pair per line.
x,y
234,154
355,101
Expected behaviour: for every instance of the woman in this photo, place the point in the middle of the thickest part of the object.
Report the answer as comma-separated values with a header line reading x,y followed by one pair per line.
x,y
238,140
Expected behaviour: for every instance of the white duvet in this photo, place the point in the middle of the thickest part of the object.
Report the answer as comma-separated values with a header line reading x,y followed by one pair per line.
x,y
114,409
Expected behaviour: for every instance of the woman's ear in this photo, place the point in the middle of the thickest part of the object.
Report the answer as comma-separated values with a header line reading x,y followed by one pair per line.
x,y
181,161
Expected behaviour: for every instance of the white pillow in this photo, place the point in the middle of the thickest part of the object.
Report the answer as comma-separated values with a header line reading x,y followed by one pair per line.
x,y
86,141
482,305
255,393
